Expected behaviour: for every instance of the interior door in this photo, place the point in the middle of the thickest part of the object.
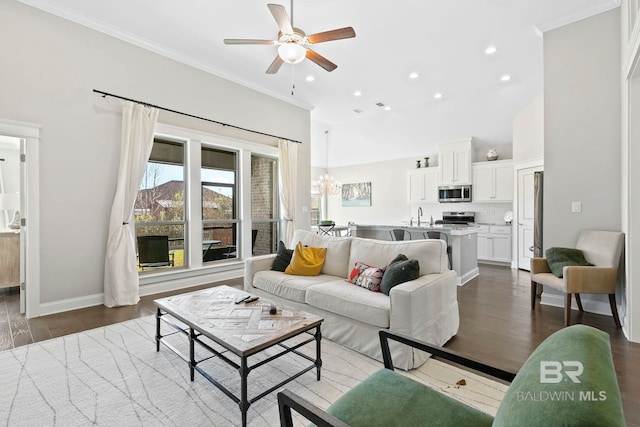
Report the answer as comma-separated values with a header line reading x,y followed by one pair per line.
x,y
526,216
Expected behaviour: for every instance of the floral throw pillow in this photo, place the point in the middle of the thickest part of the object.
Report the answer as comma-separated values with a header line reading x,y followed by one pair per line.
x,y
366,276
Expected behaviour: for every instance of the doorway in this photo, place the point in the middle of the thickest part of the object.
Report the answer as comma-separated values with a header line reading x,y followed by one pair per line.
x,y
10,253
19,210
526,216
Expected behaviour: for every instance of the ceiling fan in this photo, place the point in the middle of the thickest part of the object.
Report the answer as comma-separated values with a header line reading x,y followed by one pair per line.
x,y
293,43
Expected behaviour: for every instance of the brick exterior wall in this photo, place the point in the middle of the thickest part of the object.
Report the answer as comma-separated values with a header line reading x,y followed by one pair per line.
x,y
264,203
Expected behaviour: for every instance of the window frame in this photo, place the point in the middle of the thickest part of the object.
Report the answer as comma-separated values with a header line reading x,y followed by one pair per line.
x,y
194,140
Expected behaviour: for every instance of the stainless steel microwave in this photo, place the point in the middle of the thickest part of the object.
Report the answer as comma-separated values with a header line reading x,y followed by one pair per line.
x,y
454,193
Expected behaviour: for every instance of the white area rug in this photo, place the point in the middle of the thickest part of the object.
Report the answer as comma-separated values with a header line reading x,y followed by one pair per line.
x,y
112,376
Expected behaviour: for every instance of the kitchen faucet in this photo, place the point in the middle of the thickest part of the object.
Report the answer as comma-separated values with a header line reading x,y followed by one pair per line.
x,y
419,214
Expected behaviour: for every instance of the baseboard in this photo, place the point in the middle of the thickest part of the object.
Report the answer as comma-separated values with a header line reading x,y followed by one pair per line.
x,y
471,274
598,307
168,284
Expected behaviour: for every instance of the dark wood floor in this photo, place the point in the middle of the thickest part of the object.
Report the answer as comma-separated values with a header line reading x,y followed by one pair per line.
x,y
497,326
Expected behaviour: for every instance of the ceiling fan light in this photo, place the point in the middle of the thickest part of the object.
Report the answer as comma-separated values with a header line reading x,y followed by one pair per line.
x,y
292,53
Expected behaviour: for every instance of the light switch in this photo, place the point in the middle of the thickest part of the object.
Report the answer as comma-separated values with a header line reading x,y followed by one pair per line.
x,y
576,207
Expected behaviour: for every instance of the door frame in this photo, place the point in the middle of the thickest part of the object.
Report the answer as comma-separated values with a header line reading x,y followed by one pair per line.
x,y
517,167
30,203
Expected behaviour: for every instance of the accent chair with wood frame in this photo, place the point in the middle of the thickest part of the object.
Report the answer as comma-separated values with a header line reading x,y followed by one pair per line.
x,y
603,249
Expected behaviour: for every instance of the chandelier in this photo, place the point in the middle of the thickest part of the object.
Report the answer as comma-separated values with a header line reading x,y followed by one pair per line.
x,y
326,185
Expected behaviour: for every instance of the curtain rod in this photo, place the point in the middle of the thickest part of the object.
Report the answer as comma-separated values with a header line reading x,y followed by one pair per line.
x,y
105,94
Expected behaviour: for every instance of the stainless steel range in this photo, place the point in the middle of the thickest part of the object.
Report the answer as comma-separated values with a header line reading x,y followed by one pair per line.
x,y
457,218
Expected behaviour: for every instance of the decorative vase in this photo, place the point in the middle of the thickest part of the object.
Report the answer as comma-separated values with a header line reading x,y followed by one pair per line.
x,y
492,155
426,162
417,164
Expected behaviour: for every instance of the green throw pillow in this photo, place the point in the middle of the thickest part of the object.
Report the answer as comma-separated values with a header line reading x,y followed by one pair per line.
x,y
400,270
283,258
557,258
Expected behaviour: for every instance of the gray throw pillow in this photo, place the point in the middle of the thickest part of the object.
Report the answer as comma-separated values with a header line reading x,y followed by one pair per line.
x,y
283,257
400,270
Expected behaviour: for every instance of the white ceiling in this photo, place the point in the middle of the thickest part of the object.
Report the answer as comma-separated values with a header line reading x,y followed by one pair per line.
x,y
443,41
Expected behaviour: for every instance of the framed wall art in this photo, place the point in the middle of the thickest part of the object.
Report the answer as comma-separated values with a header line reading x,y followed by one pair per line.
x,y
354,195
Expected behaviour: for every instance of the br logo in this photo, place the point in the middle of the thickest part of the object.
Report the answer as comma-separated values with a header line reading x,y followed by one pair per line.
x,y
552,372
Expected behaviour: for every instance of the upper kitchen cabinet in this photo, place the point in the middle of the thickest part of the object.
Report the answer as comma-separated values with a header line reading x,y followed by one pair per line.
x,y
423,185
455,162
493,181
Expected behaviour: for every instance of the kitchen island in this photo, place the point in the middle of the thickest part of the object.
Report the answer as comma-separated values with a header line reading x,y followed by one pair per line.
x,y
462,239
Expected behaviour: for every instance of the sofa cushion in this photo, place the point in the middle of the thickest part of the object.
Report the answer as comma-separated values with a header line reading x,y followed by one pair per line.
x,y
430,254
558,258
388,398
306,261
366,276
350,301
336,262
286,286
283,257
399,271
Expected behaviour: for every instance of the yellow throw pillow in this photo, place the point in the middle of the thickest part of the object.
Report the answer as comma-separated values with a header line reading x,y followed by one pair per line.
x,y
306,261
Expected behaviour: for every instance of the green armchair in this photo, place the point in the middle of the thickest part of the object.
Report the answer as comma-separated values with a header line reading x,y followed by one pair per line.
x,y
569,380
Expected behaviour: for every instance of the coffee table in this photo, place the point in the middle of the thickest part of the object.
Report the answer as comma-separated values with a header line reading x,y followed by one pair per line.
x,y
243,330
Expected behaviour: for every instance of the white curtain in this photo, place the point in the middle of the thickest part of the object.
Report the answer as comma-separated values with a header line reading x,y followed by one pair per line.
x,y
121,285
288,153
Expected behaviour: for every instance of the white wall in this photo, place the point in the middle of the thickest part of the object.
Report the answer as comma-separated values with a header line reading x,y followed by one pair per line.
x,y
50,68
582,128
630,157
528,132
582,137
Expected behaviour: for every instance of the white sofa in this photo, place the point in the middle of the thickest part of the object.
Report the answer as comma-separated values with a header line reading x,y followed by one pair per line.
x,y
425,308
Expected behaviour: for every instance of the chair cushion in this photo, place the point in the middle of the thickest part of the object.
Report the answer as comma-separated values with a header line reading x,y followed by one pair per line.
x,y
388,398
557,258
306,261
558,400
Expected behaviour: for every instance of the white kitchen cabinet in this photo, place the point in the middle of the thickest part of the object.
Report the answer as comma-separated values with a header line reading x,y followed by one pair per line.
x,y
455,162
423,185
494,243
493,181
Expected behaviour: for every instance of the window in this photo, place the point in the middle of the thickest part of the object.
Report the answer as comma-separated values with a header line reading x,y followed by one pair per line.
x,y
160,206
219,204
191,201
264,205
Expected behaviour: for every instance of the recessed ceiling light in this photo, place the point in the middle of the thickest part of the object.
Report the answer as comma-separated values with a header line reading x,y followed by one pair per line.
x,y
505,78
491,50
310,78
413,75
437,95
387,108
357,93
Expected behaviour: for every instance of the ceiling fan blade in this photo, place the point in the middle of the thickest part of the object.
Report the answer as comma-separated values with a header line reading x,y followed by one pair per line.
x,y
249,41
340,33
275,65
321,60
282,19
